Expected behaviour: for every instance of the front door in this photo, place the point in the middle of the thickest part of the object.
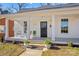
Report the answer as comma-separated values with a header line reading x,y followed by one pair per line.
x,y
43,28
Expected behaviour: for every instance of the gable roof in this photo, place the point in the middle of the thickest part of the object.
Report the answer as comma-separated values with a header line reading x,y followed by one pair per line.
x,y
50,7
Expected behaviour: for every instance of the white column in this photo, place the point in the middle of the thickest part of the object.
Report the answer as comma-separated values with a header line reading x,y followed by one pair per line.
x,y
29,24
6,29
53,28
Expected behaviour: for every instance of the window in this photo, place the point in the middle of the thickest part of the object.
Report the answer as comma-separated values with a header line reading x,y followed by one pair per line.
x,y
25,26
64,25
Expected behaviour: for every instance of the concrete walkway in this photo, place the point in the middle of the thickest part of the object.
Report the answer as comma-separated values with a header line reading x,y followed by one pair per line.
x,y
32,52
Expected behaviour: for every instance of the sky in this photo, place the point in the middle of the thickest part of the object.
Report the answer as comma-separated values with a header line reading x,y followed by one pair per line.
x,y
30,5
9,5
5,5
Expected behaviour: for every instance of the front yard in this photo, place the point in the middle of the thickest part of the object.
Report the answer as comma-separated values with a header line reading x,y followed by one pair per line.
x,y
62,51
7,49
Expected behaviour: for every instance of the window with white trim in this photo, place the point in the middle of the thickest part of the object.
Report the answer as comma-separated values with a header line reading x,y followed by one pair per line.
x,y
64,25
25,27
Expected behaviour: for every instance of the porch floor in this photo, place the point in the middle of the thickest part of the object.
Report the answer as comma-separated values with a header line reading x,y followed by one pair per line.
x,y
65,40
59,40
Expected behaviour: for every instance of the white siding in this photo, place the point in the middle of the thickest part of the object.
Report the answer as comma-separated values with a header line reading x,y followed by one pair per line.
x,y
73,27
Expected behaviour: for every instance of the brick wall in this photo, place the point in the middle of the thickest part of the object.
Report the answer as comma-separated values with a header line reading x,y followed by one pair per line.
x,y
11,28
2,22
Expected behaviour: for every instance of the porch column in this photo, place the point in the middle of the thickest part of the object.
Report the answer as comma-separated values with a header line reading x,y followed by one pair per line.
x,y
28,27
53,28
6,30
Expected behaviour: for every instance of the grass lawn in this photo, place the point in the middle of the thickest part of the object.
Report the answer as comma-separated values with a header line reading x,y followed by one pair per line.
x,y
62,51
8,49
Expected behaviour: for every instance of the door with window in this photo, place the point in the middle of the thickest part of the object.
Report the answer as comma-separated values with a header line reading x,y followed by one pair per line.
x,y
43,28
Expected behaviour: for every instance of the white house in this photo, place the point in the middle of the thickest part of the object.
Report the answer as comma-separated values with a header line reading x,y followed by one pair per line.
x,y
59,23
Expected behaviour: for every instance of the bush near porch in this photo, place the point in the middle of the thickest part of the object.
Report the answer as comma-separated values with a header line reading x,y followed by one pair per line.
x,y
7,49
62,51
1,37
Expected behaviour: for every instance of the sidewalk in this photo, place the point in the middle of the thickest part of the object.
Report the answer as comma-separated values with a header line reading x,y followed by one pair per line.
x,y
32,52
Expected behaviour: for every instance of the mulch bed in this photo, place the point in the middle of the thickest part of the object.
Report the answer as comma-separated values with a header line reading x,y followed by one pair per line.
x,y
36,47
61,51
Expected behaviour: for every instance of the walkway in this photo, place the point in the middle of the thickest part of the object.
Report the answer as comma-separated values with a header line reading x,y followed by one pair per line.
x,y
32,52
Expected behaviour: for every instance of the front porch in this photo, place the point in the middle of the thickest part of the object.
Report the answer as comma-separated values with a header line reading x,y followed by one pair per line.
x,y
75,41
16,30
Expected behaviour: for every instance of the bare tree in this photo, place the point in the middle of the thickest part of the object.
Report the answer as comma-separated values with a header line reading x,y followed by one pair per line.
x,y
45,4
0,8
48,3
42,4
21,5
18,6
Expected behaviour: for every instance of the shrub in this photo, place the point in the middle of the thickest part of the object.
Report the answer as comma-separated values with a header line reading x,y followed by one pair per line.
x,y
13,41
1,38
70,44
26,42
47,42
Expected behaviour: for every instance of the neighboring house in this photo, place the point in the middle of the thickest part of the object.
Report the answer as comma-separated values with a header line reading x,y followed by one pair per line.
x,y
60,23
